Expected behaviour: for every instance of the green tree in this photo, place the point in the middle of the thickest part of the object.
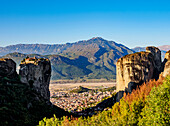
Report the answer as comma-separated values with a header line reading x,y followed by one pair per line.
x,y
157,108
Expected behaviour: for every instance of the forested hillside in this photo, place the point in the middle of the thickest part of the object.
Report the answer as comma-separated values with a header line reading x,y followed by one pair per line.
x,y
147,105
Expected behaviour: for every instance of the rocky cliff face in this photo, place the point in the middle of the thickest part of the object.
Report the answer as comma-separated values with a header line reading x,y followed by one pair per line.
x,y
7,68
157,60
134,69
36,73
166,64
25,104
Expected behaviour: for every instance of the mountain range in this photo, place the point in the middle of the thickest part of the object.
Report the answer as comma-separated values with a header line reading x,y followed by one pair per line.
x,y
87,59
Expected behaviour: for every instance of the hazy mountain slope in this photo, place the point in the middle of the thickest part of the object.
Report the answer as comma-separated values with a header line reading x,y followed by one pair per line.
x,y
139,49
164,47
43,49
94,48
89,59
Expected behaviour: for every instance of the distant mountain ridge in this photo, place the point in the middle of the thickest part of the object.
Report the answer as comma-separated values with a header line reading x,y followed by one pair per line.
x,y
88,59
163,49
139,49
46,49
34,48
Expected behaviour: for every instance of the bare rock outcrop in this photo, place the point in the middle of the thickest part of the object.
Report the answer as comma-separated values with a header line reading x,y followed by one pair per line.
x,y
36,73
7,68
157,59
134,69
166,64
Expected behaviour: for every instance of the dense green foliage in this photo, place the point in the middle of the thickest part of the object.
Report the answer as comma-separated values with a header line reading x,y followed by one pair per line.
x,y
22,105
157,108
108,89
80,89
142,107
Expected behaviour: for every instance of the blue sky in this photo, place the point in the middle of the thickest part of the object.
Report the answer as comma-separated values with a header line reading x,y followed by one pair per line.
x,y
129,22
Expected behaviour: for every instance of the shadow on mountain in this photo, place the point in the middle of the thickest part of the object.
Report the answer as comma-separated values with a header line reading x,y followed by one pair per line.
x,y
81,62
100,52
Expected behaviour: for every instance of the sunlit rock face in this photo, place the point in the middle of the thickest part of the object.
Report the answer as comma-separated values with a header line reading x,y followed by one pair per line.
x,y
134,69
36,73
7,68
166,64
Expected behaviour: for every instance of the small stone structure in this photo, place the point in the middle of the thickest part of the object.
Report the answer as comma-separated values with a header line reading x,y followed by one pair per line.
x,y
36,73
7,68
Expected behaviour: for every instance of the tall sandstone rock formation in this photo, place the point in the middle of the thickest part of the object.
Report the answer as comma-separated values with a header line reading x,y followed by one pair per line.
x,y
7,68
134,69
166,64
36,73
157,60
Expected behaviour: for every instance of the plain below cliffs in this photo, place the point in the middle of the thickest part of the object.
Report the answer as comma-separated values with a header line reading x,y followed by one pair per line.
x,y
135,69
36,73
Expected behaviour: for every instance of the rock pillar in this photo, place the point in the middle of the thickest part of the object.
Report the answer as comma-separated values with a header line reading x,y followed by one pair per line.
x,y
36,73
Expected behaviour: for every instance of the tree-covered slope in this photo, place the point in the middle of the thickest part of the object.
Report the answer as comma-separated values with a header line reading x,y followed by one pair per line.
x,y
147,105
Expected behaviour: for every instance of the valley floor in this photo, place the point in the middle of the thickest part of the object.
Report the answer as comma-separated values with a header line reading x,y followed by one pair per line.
x,y
76,102
71,86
